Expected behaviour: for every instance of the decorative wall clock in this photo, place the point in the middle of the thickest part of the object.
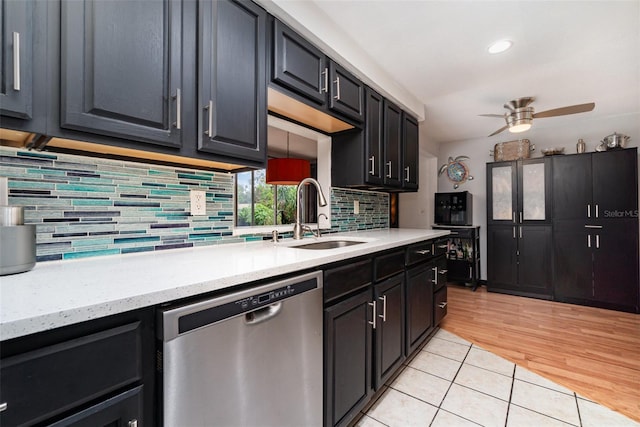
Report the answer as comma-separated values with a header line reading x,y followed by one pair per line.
x,y
457,171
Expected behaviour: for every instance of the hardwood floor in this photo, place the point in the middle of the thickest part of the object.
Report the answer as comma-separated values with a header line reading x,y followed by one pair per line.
x,y
593,351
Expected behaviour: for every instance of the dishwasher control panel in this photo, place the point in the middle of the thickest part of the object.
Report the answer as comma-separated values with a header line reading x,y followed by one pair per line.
x,y
236,307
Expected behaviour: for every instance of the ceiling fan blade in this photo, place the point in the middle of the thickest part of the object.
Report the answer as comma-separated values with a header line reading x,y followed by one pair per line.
x,y
492,115
563,111
499,130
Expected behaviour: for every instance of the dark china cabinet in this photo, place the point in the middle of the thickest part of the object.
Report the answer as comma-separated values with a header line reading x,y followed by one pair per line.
x,y
300,67
595,214
519,231
232,80
22,72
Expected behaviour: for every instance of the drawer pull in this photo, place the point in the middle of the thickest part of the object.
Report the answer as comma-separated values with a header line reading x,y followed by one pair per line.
x,y
3,406
442,304
133,423
443,271
443,246
373,323
423,252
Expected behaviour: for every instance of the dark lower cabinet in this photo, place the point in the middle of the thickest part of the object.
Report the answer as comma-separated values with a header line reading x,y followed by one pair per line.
x,y
348,358
94,374
520,260
389,330
419,305
597,265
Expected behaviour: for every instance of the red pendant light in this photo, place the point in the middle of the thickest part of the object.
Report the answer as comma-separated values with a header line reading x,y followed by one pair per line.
x,y
287,171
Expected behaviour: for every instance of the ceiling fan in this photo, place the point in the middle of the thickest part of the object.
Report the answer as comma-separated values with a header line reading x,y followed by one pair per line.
x,y
520,116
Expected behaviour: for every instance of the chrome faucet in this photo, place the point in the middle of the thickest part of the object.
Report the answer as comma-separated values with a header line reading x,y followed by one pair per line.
x,y
298,227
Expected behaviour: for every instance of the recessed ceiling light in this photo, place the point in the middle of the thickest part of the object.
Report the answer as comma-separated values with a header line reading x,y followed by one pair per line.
x,y
500,46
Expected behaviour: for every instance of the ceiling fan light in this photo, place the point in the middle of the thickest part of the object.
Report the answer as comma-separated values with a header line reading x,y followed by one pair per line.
x,y
499,46
520,127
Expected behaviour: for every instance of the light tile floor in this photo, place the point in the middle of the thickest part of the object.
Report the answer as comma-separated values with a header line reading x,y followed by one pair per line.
x,y
452,383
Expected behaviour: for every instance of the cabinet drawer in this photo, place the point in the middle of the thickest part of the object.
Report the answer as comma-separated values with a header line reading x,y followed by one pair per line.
x,y
426,250
439,305
48,381
387,265
340,281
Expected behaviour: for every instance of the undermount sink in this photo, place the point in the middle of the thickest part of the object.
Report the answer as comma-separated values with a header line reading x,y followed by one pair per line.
x,y
328,244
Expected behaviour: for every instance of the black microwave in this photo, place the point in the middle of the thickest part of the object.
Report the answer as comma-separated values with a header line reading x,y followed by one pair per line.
x,y
453,208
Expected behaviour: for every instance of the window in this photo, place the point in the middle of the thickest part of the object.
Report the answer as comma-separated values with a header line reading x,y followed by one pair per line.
x,y
259,203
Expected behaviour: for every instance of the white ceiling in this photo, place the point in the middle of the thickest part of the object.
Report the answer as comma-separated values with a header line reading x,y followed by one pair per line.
x,y
564,53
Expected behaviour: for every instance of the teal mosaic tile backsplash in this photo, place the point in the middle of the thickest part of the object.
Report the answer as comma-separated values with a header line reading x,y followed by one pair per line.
x,y
85,206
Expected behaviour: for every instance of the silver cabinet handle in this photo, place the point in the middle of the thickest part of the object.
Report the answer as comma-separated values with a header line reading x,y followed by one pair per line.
x,y
593,226
470,272
3,406
325,74
597,241
16,61
520,217
520,232
373,323
514,232
588,240
178,98
442,304
133,423
514,217
389,168
384,308
423,252
337,82
435,275
406,174
443,246
443,271
596,210
209,109
372,159
588,211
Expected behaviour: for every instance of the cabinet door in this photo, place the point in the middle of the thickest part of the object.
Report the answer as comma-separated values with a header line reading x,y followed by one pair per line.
x,y
419,305
348,358
534,190
392,145
346,93
615,262
410,156
502,265
572,261
389,335
16,70
572,182
615,184
374,138
125,409
233,90
502,196
534,259
121,69
298,65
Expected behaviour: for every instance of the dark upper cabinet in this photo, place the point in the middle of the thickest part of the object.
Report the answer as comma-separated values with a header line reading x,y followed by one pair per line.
x,y
410,153
22,72
121,70
300,67
519,192
374,138
595,186
232,79
392,117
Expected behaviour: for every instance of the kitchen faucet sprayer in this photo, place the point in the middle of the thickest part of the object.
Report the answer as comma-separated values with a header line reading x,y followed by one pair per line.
x,y
298,228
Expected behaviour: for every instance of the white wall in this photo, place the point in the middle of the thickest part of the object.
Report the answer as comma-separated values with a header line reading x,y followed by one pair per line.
x,y
543,136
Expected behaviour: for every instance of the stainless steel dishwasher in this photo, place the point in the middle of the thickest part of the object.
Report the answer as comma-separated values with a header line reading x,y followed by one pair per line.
x,y
249,358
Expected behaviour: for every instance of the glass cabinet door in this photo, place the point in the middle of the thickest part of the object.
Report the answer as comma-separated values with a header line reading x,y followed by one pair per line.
x,y
502,193
533,192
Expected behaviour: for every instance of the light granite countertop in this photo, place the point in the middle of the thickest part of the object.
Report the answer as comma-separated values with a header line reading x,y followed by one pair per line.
x,y
59,293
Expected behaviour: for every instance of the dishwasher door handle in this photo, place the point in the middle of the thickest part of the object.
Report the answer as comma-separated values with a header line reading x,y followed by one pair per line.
x,y
263,314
